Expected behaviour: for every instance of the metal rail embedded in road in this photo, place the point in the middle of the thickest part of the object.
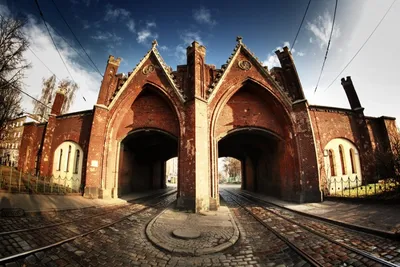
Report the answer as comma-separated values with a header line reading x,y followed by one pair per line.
x,y
88,223
299,250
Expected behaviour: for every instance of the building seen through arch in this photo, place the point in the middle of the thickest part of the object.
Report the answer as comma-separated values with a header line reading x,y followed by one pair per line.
x,y
198,113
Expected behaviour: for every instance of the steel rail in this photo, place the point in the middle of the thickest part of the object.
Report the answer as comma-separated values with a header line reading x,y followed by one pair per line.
x,y
55,244
290,244
355,250
113,209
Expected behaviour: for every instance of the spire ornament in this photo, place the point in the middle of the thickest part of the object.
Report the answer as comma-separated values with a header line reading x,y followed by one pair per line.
x,y
154,44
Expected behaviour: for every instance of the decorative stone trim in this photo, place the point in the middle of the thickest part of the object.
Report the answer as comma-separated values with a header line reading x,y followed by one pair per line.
x,y
244,64
148,69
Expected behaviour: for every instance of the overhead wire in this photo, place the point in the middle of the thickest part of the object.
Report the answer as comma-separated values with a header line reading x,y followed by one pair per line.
x,y
327,48
55,45
359,50
76,38
301,24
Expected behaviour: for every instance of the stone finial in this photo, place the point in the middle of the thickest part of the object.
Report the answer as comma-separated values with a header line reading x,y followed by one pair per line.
x,y
154,44
239,39
113,60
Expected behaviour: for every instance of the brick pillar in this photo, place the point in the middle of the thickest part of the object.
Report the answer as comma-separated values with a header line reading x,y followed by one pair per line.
x,y
94,186
194,179
46,157
290,75
368,166
308,189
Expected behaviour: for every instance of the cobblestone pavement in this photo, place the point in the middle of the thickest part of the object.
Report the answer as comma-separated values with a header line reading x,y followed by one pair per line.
x,y
384,248
217,231
19,242
321,249
125,244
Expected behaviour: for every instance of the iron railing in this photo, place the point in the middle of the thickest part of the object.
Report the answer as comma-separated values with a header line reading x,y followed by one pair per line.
x,y
14,181
355,188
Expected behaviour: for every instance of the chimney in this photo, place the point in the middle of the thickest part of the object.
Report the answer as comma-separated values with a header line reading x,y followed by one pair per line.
x,y
58,102
108,84
196,54
351,93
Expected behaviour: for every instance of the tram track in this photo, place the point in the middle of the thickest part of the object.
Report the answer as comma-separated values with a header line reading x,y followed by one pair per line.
x,y
23,242
315,247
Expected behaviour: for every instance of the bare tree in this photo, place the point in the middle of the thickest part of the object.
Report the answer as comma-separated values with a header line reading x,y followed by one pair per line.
x,y
70,88
13,44
66,85
388,161
46,97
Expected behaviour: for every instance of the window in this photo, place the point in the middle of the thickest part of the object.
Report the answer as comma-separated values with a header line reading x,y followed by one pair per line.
x,y
352,160
342,160
60,160
77,155
332,162
19,134
68,156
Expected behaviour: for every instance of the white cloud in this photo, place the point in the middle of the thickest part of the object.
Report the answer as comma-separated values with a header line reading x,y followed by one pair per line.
x,y
87,79
300,54
188,37
271,61
203,16
145,35
131,25
113,14
321,29
311,40
164,48
151,24
107,36
180,54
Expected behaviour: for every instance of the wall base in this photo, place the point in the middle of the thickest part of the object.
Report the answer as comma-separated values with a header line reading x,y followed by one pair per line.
x,y
104,193
91,192
311,196
186,203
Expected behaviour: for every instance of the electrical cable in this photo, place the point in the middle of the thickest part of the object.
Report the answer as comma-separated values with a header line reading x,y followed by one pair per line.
x,y
327,48
366,41
301,24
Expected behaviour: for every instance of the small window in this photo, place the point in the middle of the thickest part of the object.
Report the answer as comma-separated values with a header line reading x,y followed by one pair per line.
x,y
332,162
77,156
68,156
352,160
60,160
342,160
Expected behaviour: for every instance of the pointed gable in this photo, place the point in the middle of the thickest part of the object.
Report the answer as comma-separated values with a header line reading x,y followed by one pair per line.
x,y
151,62
242,61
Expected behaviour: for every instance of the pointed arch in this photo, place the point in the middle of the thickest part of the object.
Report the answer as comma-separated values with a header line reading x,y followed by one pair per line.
x,y
342,159
332,162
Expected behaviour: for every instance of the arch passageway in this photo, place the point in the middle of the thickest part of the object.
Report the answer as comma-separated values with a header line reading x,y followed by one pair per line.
x,y
143,157
259,153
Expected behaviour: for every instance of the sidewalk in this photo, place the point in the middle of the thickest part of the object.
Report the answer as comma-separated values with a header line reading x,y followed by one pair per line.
x,y
44,203
375,217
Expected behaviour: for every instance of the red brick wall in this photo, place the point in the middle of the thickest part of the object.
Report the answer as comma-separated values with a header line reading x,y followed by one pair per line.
x,y
30,144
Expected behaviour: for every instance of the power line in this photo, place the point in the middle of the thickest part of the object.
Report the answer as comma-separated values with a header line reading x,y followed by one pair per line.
x,y
327,48
366,41
48,30
301,24
15,87
76,38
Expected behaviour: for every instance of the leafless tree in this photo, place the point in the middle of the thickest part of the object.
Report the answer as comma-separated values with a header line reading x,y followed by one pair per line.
x,y
46,97
68,86
232,167
13,44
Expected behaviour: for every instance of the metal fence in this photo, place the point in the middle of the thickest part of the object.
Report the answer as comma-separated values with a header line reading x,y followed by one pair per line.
x,y
14,181
354,188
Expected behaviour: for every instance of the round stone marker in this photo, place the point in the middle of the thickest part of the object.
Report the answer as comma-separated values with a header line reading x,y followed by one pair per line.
x,y
186,233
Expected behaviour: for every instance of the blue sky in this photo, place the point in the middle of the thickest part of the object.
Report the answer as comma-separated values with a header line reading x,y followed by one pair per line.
x,y
126,28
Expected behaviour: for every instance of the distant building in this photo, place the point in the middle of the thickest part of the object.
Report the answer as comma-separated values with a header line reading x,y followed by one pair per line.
x,y
10,139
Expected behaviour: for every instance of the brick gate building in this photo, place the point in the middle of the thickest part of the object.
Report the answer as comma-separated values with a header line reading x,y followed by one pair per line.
x,y
198,113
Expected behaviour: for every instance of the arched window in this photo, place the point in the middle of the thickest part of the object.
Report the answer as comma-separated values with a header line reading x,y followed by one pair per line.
x,y
332,162
77,155
68,156
342,160
59,160
352,160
